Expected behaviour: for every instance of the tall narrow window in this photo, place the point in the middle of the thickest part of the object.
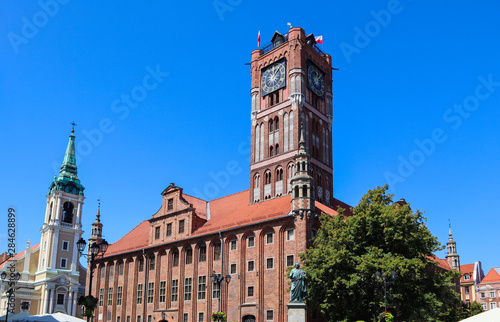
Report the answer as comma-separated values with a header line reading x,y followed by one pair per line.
x,y
285,132
203,253
271,151
187,288
119,294
181,226
141,265
215,290
276,123
170,204
261,145
120,268
175,258
101,296
139,294
217,251
175,290
189,256
202,284
169,229
110,296
157,232
257,143
151,291
161,295
152,263
290,131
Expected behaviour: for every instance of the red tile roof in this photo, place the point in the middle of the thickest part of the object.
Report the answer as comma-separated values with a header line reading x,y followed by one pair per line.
x,y
467,269
199,204
18,255
443,263
137,238
493,276
234,211
225,213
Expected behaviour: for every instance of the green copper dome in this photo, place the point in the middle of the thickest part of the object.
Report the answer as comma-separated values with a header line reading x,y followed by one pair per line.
x,y
67,180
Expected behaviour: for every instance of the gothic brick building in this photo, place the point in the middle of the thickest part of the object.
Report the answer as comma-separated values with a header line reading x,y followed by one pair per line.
x,y
165,264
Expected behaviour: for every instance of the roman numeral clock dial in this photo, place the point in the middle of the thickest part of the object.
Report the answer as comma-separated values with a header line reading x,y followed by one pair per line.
x,y
316,80
273,78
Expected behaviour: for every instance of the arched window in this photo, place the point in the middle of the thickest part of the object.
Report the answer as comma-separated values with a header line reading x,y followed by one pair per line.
x,y
285,133
189,255
50,212
296,191
261,145
277,149
257,143
68,212
290,129
256,181
304,191
271,126
268,177
279,174
271,151
276,123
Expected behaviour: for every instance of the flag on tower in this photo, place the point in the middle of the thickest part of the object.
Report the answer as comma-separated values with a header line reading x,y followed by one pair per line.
x,y
258,39
319,39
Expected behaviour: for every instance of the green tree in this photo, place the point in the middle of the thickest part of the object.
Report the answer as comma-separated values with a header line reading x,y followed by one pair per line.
x,y
384,236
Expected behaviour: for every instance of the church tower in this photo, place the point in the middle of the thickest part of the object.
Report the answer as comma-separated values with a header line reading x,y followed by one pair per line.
x,y
451,253
59,272
291,83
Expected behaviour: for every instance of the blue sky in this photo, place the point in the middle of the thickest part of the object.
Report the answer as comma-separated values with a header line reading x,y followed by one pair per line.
x,y
416,105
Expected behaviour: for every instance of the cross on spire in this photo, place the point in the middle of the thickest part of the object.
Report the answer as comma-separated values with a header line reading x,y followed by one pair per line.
x,y
73,128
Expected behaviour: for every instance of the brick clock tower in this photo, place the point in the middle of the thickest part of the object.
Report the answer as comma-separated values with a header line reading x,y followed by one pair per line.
x,y
291,88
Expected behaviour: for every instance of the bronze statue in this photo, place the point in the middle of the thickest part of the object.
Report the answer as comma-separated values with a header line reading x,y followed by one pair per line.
x,y
299,290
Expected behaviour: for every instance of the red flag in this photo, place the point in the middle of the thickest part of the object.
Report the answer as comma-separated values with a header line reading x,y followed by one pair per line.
x,y
258,39
319,39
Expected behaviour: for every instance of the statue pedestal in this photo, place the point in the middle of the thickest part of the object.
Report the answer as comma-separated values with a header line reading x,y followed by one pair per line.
x,y
296,312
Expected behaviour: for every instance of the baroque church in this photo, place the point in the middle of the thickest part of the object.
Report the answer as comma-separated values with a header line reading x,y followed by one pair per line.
x,y
194,257
51,276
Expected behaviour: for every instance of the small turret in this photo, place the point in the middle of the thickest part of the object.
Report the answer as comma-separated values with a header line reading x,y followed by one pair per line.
x,y
302,183
451,252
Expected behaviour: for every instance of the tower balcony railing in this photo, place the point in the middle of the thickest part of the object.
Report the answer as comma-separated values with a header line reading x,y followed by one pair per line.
x,y
65,224
270,46
267,48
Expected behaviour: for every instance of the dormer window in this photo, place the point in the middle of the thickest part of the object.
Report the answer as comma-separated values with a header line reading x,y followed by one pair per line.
x,y
466,277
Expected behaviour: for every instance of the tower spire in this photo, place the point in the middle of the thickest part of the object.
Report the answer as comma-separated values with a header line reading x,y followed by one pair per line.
x,y
451,251
68,175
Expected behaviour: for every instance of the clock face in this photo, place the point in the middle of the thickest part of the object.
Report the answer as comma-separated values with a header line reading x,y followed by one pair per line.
x,y
273,78
316,80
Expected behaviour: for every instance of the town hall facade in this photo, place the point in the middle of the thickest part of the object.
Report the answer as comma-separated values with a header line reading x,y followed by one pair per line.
x,y
194,257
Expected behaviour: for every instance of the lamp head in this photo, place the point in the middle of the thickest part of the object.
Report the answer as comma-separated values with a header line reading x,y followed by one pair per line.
x,y
80,244
94,249
103,246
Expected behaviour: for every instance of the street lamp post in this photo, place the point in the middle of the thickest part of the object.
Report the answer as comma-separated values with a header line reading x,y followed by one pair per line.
x,y
384,279
218,279
97,250
14,277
